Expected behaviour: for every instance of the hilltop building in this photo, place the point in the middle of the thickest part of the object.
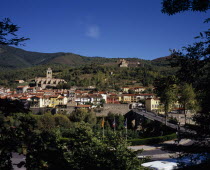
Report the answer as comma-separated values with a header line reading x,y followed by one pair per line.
x,y
125,63
48,81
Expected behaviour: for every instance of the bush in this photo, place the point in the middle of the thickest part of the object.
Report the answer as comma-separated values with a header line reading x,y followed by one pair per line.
x,y
153,140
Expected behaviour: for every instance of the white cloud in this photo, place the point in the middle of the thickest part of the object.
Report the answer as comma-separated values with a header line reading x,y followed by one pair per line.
x,y
93,31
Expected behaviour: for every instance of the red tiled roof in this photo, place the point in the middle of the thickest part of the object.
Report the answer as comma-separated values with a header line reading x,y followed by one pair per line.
x,y
178,109
145,94
53,96
24,98
129,94
37,97
83,106
37,94
31,87
20,87
101,92
138,87
95,95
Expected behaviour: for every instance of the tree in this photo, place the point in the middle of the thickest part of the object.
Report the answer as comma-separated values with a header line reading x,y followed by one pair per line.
x,y
166,89
172,7
187,98
46,122
194,65
112,154
195,60
62,121
120,122
131,91
79,115
46,149
16,131
8,34
83,115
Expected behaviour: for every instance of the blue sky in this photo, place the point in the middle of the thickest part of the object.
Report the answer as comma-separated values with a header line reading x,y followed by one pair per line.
x,y
105,28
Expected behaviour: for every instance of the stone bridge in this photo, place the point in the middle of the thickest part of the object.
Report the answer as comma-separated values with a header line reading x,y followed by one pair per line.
x,y
155,117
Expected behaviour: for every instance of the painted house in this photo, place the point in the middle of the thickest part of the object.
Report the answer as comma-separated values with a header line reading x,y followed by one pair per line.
x,y
82,99
21,89
113,99
152,104
37,101
95,99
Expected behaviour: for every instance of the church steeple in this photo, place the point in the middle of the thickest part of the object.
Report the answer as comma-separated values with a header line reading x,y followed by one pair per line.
x,y
49,73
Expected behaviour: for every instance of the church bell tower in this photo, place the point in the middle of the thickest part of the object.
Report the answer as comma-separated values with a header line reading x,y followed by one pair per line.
x,y
49,73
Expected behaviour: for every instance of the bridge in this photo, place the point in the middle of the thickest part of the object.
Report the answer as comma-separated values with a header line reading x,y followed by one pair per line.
x,y
155,117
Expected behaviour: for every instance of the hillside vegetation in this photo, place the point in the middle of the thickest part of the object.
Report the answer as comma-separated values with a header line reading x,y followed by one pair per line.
x,y
12,57
78,70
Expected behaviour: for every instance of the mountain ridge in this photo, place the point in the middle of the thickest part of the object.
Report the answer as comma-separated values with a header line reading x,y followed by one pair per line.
x,y
12,57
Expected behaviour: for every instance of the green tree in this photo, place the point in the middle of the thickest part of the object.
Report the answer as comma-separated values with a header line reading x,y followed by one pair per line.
x,y
16,131
62,121
84,115
194,61
114,154
8,34
187,98
166,89
79,115
194,65
172,7
91,118
46,122
120,122
131,91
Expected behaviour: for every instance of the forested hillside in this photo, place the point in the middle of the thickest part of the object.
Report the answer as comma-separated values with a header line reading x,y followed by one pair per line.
x,y
12,57
103,73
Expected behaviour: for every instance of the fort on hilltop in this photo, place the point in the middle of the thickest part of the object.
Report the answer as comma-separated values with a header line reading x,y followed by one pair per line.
x,y
125,63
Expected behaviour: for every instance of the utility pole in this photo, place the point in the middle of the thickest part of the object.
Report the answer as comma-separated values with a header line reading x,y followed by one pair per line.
x,y
126,129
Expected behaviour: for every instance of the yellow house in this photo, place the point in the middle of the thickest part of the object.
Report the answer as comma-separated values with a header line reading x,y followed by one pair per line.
x,y
62,100
138,89
53,100
129,98
125,89
57,100
152,104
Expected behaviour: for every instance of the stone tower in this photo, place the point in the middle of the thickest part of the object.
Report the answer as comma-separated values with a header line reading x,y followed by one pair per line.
x,y
49,73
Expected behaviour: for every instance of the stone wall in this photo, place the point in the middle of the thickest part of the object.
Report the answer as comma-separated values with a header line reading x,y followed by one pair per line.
x,y
114,108
67,110
42,110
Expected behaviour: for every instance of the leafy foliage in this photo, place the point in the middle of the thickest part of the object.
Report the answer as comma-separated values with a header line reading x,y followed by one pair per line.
x,y
166,89
45,149
8,33
172,7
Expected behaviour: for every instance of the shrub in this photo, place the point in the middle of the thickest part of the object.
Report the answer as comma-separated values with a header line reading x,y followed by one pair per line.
x,y
153,140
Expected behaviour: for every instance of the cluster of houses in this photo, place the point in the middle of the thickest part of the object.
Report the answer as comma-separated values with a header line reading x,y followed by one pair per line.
x,y
52,98
40,96
72,97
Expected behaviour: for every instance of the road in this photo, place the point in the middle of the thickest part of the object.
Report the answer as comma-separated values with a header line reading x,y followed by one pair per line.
x,y
157,152
16,158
